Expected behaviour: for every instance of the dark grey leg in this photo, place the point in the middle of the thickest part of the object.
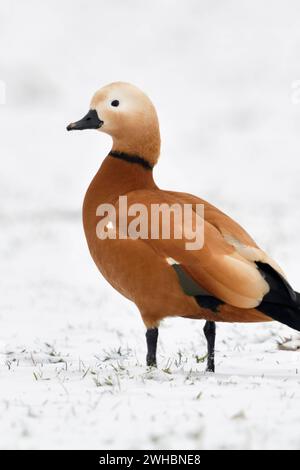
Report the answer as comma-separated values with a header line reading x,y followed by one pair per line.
x,y
151,337
210,335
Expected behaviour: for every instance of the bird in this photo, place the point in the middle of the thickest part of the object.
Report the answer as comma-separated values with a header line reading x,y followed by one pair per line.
x,y
229,278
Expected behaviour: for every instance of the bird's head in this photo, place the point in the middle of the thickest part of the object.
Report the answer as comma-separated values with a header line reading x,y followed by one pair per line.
x,y
125,113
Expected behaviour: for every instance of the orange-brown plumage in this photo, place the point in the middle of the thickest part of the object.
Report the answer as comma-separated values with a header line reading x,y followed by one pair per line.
x,y
226,267
138,268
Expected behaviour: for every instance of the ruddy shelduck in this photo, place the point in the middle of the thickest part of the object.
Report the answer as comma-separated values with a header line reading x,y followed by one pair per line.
x,y
228,279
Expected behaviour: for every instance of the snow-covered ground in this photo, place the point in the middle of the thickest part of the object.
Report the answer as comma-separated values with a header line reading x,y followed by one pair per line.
x,y
72,351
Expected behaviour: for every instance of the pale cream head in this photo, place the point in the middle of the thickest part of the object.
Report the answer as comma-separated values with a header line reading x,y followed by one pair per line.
x,y
129,117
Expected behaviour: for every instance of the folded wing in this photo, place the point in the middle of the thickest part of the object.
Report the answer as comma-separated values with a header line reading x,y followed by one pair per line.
x,y
225,266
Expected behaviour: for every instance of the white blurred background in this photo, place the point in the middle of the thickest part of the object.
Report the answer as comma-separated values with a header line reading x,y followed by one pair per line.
x,y
223,76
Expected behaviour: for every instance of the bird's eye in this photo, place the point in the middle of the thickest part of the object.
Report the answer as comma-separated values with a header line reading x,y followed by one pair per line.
x,y
115,103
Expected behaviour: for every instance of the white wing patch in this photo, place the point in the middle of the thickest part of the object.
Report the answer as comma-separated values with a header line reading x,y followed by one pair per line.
x,y
171,261
110,225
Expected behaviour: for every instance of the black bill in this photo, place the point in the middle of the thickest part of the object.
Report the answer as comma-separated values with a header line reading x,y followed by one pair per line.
x,y
89,121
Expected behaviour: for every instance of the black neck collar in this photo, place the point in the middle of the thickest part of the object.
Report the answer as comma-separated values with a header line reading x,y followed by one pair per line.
x,y
131,158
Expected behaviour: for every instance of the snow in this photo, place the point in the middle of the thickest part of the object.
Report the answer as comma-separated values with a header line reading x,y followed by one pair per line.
x,y
72,350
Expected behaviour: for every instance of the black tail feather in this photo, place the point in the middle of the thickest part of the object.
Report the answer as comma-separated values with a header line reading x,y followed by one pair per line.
x,y
280,290
290,316
281,303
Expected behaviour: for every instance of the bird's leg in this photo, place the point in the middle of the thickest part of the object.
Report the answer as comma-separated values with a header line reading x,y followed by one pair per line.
x,y
210,335
151,337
